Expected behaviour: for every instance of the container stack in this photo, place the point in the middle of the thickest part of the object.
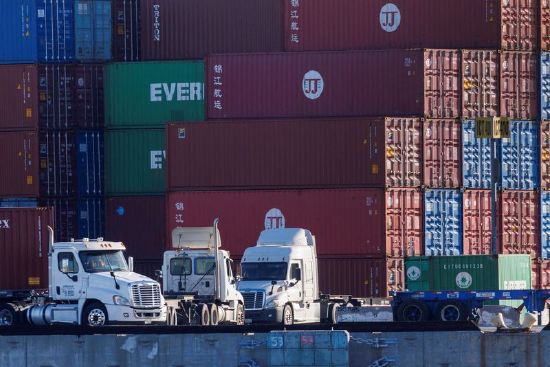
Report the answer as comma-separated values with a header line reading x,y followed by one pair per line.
x,y
52,109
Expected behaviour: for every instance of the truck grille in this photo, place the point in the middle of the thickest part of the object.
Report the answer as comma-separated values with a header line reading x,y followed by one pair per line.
x,y
253,300
146,295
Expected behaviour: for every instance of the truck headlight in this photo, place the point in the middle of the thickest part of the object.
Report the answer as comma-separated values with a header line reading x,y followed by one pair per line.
x,y
119,300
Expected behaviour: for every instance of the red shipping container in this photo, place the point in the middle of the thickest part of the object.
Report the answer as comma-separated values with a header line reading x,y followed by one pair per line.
x,y
545,25
125,30
51,96
373,152
57,163
480,83
362,277
519,85
139,222
192,29
442,153
356,83
24,247
545,155
19,164
519,222
378,24
148,267
477,222
346,222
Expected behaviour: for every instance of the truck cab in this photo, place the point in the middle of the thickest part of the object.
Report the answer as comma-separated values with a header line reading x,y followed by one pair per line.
x,y
279,278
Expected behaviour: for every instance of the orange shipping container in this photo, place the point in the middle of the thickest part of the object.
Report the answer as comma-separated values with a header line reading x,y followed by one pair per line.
x,y
480,83
442,153
477,222
519,85
519,222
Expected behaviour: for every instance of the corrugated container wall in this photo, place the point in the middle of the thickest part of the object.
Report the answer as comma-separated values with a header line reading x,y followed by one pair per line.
x,y
19,164
134,162
376,24
18,203
148,94
542,272
92,29
372,152
192,29
123,215
362,277
24,247
442,153
519,156
89,162
472,273
519,224
360,212
404,225
476,158
545,155
544,25
480,83
126,27
519,78
34,31
545,85
51,96
545,224
477,222
443,222
354,83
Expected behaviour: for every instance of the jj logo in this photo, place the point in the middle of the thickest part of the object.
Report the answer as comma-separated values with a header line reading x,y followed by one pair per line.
x,y
390,17
312,84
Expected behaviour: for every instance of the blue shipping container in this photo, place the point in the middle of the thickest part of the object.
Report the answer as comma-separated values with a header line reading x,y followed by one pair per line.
x,y
519,156
545,224
36,31
476,158
89,162
545,85
91,217
443,222
18,203
93,29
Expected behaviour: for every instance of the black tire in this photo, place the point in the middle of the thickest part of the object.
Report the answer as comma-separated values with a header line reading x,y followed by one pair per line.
x,y
204,312
239,318
413,311
288,315
332,310
214,314
9,314
451,311
95,315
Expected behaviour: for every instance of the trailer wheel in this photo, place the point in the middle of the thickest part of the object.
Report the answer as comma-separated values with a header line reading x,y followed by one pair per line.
x,y
413,311
205,314
8,314
240,314
332,310
288,315
214,314
95,315
451,311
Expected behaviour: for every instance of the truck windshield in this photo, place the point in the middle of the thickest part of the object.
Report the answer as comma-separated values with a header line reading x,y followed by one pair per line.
x,y
263,271
98,261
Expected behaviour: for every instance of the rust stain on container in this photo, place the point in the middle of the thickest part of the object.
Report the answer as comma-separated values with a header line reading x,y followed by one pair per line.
x,y
442,153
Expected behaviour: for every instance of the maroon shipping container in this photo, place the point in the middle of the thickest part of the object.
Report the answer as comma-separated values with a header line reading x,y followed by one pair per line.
x,y
519,222
51,96
125,30
24,247
346,222
519,85
352,152
192,29
362,277
442,153
139,222
545,155
57,163
378,24
480,83
404,222
148,267
355,83
545,25
19,164
477,222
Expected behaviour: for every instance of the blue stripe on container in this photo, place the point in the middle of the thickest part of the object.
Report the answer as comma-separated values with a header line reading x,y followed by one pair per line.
x,y
545,224
89,162
545,85
443,222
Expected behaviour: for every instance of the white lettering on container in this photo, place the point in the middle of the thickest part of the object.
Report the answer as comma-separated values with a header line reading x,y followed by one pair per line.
x,y
157,157
156,22
4,224
192,91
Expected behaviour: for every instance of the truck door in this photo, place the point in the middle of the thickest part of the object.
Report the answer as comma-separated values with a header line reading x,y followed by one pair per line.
x,y
67,282
297,290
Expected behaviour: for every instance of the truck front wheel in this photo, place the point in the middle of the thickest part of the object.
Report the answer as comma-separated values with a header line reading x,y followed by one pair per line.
x,y
288,315
95,314
8,314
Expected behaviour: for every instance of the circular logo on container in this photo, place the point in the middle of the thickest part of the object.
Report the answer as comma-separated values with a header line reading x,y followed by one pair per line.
x,y
120,210
390,17
413,273
274,218
463,280
312,84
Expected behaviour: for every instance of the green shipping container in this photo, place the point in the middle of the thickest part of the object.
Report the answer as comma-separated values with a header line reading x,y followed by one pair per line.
x,y
468,272
149,94
135,162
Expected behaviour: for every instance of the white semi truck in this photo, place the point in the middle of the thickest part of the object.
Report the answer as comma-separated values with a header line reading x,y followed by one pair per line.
x,y
279,280
197,279
89,283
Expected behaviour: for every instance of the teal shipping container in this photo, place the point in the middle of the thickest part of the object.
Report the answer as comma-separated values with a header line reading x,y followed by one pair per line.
x,y
92,30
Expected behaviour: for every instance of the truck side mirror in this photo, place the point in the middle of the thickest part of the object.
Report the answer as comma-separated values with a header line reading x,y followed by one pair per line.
x,y
131,263
158,274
